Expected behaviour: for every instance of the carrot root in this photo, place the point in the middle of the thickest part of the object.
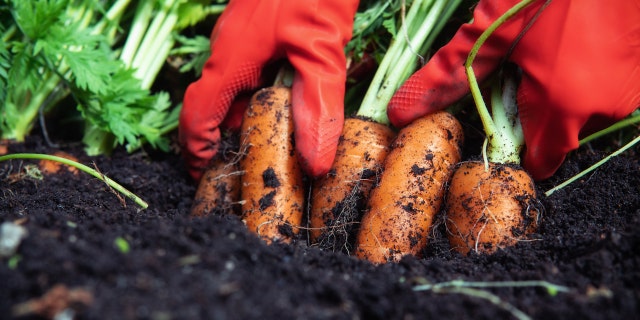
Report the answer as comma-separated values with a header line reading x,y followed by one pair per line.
x,y
490,209
272,187
218,191
402,206
338,198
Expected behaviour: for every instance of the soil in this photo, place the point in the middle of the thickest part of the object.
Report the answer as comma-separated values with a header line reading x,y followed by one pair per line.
x,y
116,261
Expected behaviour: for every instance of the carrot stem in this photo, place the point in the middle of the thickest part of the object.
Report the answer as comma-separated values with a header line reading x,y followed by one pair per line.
x,y
285,75
615,127
593,167
423,22
552,288
82,167
508,138
469,288
504,142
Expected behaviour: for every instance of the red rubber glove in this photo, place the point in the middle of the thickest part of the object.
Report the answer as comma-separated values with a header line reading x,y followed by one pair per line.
x,y
251,34
581,72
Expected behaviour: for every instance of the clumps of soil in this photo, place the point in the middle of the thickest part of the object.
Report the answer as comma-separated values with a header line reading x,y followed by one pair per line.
x,y
417,170
267,200
179,267
342,229
270,178
343,223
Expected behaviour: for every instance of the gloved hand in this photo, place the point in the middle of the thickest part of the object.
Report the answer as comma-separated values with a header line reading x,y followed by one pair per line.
x,y
581,72
248,36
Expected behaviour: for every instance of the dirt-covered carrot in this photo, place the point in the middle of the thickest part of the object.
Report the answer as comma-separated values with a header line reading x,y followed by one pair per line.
x,y
492,204
410,193
338,197
272,188
365,140
490,209
219,189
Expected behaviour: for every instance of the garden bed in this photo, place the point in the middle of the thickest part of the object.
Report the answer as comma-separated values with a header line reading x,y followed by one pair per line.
x,y
160,264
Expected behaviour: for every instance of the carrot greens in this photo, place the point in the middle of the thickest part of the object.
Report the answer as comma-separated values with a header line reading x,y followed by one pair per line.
x,y
502,126
414,29
98,54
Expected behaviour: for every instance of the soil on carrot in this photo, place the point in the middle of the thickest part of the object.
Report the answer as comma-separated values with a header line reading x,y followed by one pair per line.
x,y
158,263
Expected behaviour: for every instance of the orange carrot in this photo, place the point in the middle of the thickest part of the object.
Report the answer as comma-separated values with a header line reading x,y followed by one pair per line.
x,y
272,187
492,204
398,63
219,189
402,206
52,167
337,199
4,146
490,209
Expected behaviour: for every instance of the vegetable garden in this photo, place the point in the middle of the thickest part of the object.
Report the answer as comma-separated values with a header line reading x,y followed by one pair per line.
x,y
121,232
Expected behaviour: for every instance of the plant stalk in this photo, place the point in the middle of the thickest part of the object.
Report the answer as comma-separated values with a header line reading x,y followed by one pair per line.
x,y
615,127
499,139
82,167
423,22
593,167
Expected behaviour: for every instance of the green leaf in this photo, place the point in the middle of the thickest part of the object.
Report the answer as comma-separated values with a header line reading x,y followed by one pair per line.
x,y
390,26
36,17
52,49
194,51
192,12
4,71
26,71
129,113
369,29
86,55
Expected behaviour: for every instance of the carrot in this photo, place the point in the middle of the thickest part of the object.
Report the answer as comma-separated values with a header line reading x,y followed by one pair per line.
x,y
493,204
52,167
490,209
4,146
402,207
335,198
272,188
219,189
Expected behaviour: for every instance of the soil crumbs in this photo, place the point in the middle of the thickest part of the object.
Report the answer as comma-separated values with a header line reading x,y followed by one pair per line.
x,y
90,254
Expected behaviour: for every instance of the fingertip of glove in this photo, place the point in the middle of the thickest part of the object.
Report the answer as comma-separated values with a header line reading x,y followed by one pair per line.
x,y
541,167
315,168
194,170
316,162
196,174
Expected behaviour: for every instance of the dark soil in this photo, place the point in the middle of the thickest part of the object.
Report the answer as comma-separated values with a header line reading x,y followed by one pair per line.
x,y
212,268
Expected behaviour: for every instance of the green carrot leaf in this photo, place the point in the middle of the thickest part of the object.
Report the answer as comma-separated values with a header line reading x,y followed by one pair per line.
x,y
35,18
86,55
195,52
191,12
